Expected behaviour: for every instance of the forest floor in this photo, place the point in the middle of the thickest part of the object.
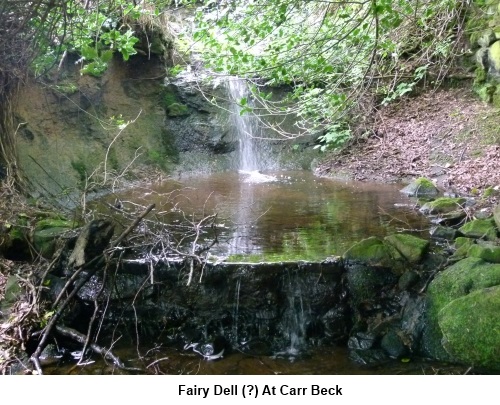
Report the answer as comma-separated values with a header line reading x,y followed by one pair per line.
x,y
448,136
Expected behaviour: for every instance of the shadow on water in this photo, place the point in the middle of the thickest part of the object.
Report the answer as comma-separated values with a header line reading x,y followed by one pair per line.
x,y
319,361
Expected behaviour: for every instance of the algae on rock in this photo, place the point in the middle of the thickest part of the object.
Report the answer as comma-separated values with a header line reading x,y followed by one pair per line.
x,y
471,328
480,229
421,187
412,248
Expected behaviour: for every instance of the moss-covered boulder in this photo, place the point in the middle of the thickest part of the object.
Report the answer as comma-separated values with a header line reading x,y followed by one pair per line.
x,y
496,216
462,246
494,56
485,251
480,229
371,251
471,328
421,187
413,249
442,205
459,280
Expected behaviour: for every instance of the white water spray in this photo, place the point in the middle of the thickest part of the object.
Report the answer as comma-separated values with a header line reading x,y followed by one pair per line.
x,y
253,151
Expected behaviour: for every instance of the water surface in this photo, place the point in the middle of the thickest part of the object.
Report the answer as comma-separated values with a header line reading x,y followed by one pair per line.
x,y
282,215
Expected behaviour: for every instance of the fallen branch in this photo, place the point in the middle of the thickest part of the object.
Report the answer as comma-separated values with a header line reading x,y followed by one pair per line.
x,y
94,266
106,353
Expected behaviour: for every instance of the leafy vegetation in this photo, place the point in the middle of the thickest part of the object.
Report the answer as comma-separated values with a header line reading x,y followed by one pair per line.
x,y
338,58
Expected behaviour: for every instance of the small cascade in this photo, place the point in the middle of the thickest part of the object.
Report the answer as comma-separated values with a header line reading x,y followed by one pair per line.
x,y
236,309
294,319
254,152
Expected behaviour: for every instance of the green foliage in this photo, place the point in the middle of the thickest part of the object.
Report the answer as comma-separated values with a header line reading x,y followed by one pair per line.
x,y
335,137
331,54
95,32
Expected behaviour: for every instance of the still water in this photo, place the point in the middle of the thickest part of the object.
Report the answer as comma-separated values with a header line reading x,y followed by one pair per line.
x,y
281,215
318,361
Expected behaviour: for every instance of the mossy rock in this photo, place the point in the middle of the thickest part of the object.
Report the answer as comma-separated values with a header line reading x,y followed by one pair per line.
x,y
480,229
413,249
487,252
494,56
177,110
471,328
459,280
442,205
47,232
371,251
462,246
54,223
496,216
45,240
421,187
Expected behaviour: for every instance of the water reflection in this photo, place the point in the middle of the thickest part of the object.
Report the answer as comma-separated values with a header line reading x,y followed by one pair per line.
x,y
298,216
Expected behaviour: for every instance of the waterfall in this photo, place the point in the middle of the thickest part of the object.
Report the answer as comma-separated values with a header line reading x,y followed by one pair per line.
x,y
254,152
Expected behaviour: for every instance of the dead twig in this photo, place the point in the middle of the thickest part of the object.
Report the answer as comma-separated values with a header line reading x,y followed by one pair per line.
x,y
93,266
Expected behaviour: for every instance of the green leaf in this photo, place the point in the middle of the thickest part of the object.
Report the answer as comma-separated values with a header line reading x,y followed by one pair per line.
x,y
107,55
89,53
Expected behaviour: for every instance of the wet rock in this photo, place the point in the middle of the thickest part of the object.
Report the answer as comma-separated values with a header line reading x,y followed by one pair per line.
x,y
361,341
50,355
373,357
393,345
407,280
443,233
337,322
449,218
421,187
410,247
413,322
119,287
470,328
480,229
365,283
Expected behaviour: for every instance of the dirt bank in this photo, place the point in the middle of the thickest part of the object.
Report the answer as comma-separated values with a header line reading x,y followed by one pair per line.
x,y
449,136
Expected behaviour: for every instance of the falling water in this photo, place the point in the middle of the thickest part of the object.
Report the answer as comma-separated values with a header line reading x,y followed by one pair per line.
x,y
253,151
236,309
295,318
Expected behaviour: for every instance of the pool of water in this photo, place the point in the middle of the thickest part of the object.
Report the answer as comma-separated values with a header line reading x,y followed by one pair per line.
x,y
320,361
280,215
